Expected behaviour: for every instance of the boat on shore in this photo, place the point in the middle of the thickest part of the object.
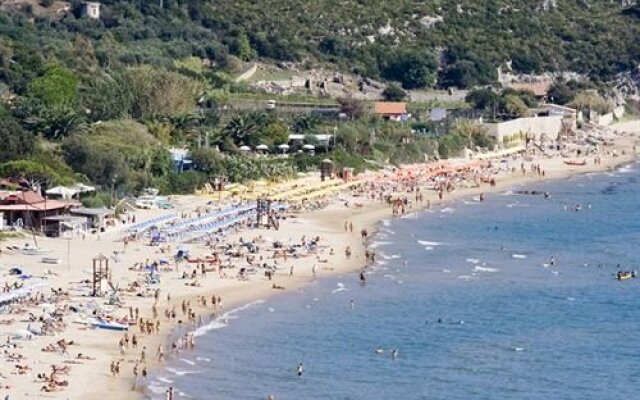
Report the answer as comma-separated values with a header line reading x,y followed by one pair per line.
x,y
576,162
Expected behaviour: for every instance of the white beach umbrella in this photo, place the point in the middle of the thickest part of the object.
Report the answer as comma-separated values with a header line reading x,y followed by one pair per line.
x,y
284,147
262,147
309,147
245,148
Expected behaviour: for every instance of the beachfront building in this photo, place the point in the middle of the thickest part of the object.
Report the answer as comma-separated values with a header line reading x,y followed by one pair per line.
x,y
93,217
391,110
181,159
29,209
64,226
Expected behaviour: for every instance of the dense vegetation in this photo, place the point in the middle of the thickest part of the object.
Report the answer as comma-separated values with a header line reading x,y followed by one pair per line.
x,y
102,101
400,40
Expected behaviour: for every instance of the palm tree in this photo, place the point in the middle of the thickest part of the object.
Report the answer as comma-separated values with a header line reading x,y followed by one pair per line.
x,y
241,128
57,124
185,128
305,123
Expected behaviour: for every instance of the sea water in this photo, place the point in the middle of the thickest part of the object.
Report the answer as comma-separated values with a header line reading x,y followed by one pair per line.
x,y
467,296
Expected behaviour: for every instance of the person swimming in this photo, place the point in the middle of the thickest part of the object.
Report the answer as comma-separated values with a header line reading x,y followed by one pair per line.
x,y
394,354
300,370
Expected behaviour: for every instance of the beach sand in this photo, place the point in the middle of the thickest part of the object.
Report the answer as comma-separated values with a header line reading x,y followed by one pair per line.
x,y
91,379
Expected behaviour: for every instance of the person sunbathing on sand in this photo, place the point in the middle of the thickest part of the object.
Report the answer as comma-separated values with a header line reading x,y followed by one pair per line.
x,y
274,286
81,356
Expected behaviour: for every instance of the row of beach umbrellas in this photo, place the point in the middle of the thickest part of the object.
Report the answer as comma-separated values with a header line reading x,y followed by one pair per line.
x,y
283,147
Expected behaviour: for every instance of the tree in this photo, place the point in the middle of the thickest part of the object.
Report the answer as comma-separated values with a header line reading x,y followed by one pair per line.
x,y
412,68
16,142
394,93
276,132
208,161
525,62
482,99
561,93
305,123
241,47
590,100
158,93
184,128
56,124
514,106
35,173
353,108
116,152
241,129
106,96
56,89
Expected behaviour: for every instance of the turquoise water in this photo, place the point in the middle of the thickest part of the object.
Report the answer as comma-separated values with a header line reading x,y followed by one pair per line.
x,y
512,328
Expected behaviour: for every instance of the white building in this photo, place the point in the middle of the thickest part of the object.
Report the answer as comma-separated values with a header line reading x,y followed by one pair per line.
x,y
91,9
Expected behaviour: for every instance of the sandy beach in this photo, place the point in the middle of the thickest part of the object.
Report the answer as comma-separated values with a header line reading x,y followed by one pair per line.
x,y
339,225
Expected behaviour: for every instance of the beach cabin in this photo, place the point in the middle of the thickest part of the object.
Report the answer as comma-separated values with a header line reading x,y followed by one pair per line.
x,y
391,110
29,209
65,226
93,217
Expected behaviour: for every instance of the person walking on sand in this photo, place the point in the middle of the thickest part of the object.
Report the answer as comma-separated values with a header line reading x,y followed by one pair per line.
x,y
314,270
135,377
143,355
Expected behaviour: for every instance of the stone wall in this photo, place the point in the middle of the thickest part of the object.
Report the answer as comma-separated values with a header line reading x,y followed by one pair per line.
x,y
535,126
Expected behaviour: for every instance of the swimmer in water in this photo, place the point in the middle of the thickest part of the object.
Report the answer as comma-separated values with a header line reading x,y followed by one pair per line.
x,y
394,354
300,369
379,351
352,304
552,261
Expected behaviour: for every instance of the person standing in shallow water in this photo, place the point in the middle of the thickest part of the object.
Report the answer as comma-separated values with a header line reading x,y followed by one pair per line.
x,y
300,370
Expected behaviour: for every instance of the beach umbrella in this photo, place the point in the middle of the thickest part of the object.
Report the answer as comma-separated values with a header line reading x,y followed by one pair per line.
x,y
262,147
284,147
309,147
245,148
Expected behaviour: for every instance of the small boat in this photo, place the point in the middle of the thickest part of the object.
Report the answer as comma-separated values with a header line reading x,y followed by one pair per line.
x,y
113,326
576,162
32,251
102,324
623,276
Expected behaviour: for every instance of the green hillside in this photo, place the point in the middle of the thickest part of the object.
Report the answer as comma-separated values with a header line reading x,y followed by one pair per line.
x,y
460,42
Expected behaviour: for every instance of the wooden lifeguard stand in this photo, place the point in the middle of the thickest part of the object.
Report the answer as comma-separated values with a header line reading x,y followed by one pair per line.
x,y
263,209
101,271
326,169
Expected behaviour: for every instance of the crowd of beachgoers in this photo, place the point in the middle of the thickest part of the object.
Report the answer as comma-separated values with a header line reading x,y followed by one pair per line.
x,y
73,331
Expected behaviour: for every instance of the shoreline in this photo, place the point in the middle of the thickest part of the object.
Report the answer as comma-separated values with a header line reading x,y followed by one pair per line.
x,y
326,222
372,218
